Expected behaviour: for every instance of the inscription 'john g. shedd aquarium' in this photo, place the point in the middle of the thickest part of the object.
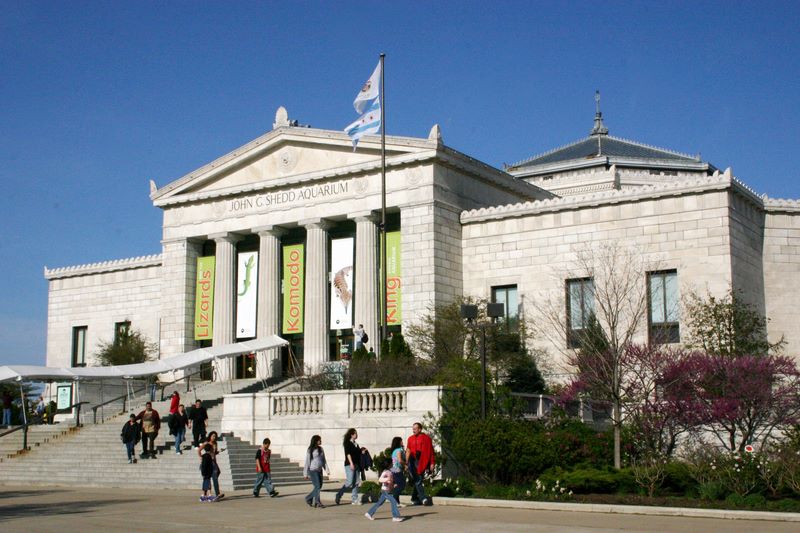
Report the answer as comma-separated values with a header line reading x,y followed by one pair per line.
x,y
287,198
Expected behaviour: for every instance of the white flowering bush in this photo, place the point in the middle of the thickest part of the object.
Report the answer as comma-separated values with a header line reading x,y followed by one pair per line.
x,y
543,491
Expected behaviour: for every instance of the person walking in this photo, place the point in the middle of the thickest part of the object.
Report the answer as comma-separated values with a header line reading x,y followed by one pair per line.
x,y
358,333
315,464
179,421
263,470
215,472
130,435
352,467
198,419
386,480
398,468
174,403
151,423
421,461
7,401
206,470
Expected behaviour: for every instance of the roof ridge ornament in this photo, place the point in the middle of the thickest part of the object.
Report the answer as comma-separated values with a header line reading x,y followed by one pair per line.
x,y
599,128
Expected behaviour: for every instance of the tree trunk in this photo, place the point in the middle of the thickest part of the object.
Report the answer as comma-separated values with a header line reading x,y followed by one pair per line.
x,y
617,436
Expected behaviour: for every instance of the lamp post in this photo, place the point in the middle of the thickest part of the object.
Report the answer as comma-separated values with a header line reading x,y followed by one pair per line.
x,y
470,313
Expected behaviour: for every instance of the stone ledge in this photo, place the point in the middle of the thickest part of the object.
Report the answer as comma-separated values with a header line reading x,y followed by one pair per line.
x,y
623,509
691,186
103,266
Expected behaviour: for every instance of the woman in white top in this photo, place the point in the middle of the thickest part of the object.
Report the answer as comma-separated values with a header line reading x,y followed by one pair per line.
x,y
315,464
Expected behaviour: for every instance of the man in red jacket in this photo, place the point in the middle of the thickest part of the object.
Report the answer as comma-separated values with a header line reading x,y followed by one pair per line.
x,y
421,460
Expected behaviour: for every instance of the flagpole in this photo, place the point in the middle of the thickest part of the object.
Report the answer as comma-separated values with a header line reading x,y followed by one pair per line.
x,y
384,328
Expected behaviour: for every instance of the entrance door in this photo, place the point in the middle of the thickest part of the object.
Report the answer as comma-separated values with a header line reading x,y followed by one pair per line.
x,y
246,366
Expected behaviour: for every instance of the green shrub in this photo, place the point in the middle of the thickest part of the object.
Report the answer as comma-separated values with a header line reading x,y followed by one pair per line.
x,y
786,505
678,479
712,490
451,488
591,480
502,450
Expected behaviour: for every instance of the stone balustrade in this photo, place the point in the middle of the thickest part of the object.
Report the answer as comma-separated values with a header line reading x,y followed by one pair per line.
x,y
290,419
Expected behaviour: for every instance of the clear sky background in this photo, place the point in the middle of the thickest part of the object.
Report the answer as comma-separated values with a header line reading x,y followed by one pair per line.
x,y
97,98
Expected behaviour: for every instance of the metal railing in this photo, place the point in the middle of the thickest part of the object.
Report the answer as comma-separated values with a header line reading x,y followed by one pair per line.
x,y
131,395
25,425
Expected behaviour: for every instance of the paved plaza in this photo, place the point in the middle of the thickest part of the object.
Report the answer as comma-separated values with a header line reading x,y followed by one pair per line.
x,y
61,509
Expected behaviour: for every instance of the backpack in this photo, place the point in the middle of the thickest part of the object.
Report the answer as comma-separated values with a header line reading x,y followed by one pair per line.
x,y
364,338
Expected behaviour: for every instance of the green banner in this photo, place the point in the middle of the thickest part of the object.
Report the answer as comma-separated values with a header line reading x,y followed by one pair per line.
x,y
204,299
293,288
394,300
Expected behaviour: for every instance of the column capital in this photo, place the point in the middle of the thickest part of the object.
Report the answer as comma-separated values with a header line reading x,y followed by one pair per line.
x,y
232,238
364,216
316,223
265,231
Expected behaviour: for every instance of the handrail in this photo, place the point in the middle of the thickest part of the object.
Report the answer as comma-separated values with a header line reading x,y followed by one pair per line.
x,y
123,397
24,426
186,377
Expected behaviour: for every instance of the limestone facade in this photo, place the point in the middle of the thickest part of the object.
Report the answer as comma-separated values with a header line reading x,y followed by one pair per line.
x,y
465,228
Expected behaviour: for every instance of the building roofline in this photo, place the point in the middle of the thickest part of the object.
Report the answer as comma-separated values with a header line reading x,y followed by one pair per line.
x,y
103,266
527,161
690,186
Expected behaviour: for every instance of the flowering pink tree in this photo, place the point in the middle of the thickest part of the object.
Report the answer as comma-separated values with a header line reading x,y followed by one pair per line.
x,y
743,400
659,399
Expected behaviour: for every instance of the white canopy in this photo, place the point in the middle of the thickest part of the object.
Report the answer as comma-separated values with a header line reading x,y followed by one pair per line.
x,y
178,362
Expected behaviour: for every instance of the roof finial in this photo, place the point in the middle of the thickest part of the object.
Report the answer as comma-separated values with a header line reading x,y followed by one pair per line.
x,y
599,128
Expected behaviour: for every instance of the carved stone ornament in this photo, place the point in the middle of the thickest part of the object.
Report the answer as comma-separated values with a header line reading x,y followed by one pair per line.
x,y
218,208
287,159
413,175
281,118
360,185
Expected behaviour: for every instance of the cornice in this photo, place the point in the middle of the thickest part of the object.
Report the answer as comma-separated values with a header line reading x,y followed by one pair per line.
x,y
104,266
281,134
299,179
692,186
781,205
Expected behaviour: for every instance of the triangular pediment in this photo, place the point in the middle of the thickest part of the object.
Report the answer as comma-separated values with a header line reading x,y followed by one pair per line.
x,y
281,154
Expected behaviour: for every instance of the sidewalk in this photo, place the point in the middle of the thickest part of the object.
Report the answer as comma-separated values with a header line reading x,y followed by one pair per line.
x,y
61,510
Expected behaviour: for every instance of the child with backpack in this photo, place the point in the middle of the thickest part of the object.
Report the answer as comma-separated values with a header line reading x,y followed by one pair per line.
x,y
387,485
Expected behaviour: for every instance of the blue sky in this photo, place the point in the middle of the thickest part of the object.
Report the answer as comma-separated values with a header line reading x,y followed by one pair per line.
x,y
97,98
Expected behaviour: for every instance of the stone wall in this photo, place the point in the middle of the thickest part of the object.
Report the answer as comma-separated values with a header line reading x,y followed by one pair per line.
x,y
535,245
98,296
782,272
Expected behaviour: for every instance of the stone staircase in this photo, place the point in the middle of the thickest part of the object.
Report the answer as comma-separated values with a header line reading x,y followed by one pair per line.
x,y
241,456
11,445
94,456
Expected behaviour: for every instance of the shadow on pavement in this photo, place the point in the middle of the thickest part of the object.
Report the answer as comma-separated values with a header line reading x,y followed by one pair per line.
x,y
23,493
25,510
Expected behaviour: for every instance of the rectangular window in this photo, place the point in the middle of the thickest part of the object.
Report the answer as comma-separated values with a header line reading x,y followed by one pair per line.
x,y
79,346
663,307
121,329
507,295
580,309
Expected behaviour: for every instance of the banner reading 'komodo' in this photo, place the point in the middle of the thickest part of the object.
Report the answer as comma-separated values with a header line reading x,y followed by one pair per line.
x,y
293,288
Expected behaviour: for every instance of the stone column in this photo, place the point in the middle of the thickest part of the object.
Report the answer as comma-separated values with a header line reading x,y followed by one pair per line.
x,y
225,298
179,270
316,348
268,362
367,296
